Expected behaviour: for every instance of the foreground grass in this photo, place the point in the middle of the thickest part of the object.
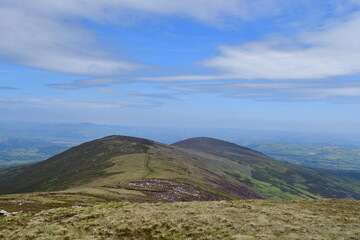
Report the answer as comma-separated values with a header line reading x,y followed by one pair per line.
x,y
250,219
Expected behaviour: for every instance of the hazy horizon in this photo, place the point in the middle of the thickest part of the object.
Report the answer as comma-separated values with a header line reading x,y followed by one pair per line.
x,y
255,129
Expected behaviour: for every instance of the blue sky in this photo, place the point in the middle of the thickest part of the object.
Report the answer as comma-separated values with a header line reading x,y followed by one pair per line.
x,y
248,64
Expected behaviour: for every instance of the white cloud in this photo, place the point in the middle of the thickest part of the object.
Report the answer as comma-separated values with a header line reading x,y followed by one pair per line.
x,y
49,35
332,51
329,51
35,39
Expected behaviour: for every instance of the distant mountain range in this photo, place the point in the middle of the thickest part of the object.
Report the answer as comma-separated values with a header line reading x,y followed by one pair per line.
x,y
139,169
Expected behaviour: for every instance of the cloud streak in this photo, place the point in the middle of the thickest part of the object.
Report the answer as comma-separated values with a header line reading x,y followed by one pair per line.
x,y
345,92
78,104
170,96
107,91
87,83
7,88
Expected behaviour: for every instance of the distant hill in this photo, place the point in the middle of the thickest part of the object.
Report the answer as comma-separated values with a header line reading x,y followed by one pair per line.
x,y
222,148
139,169
272,178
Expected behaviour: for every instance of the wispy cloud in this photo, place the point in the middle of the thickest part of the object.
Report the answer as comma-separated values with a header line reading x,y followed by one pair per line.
x,y
47,35
7,88
153,95
104,82
107,90
331,50
87,83
347,91
50,34
79,104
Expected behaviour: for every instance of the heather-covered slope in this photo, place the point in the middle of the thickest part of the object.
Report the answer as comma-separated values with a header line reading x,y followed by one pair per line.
x,y
271,178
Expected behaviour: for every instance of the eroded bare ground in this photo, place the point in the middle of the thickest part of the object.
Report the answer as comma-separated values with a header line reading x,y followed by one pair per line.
x,y
169,191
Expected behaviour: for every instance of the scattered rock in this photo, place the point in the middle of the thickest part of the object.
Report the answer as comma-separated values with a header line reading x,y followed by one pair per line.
x,y
5,213
170,191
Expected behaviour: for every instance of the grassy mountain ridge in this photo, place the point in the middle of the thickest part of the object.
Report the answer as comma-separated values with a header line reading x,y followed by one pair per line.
x,y
194,169
68,168
120,162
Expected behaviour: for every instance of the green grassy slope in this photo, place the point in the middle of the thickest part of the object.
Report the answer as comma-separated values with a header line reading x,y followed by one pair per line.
x,y
274,179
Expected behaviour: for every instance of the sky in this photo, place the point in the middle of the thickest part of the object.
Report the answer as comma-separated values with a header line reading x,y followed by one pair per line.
x,y
246,64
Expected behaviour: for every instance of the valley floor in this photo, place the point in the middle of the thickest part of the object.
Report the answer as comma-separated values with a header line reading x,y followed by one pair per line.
x,y
247,219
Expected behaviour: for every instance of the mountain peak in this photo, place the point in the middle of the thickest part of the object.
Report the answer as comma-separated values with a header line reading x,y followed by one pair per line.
x,y
205,141
213,145
127,139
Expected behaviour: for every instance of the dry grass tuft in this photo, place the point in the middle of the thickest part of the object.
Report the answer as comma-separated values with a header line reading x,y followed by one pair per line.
x,y
252,219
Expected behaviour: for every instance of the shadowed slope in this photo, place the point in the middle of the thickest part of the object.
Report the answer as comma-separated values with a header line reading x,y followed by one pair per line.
x,y
222,148
73,167
273,179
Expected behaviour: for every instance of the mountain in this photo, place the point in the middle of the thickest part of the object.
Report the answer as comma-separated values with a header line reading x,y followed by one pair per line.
x,y
272,178
138,169
223,149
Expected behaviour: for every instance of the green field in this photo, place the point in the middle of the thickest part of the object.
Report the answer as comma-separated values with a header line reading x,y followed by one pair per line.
x,y
24,151
336,158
